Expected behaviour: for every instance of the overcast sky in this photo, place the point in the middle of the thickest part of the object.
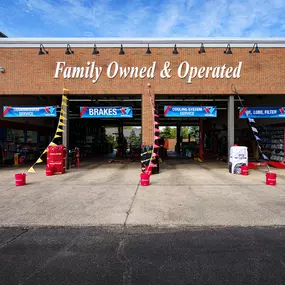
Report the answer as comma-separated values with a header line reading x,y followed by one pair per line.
x,y
134,18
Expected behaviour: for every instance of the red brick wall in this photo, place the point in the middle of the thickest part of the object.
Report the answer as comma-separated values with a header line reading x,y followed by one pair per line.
x,y
28,73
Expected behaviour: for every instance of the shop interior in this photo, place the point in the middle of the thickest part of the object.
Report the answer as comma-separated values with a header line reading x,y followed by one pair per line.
x,y
22,140
117,138
209,141
121,138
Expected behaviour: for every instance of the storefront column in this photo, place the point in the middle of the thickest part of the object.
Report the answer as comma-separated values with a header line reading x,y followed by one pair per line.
x,y
231,122
65,134
147,116
201,141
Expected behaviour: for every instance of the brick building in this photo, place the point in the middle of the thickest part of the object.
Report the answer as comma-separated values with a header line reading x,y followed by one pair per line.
x,y
142,73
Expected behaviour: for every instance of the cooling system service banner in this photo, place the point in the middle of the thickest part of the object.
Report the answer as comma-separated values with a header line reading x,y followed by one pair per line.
x,y
14,112
106,112
190,111
261,112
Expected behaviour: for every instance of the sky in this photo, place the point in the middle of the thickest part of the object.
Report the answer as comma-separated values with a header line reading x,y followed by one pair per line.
x,y
142,18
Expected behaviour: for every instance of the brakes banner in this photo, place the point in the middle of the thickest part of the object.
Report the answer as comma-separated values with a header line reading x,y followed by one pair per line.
x,y
190,111
261,112
106,112
17,112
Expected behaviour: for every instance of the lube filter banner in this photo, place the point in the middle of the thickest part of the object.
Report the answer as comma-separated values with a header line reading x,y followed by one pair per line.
x,y
16,112
106,112
190,111
262,112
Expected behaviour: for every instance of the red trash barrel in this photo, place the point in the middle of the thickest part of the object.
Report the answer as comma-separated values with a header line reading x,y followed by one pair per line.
x,y
144,179
271,178
244,170
20,179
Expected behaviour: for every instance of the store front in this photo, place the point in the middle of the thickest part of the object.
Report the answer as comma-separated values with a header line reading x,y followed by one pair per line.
x,y
146,75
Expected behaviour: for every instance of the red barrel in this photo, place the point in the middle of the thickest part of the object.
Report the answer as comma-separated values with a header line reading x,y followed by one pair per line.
x,y
271,178
20,179
244,170
144,179
49,171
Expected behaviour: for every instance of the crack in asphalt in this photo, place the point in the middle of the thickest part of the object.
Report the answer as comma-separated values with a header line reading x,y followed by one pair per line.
x,y
132,203
51,259
13,239
121,256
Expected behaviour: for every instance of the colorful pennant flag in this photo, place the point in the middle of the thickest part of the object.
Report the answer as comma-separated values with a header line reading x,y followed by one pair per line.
x,y
59,130
65,89
155,146
265,157
32,170
45,151
52,144
62,124
64,97
257,138
57,136
156,130
63,112
64,104
251,120
152,164
157,137
155,115
254,129
39,160
156,123
62,118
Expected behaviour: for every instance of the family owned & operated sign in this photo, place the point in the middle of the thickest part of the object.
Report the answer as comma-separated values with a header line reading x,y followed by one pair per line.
x,y
184,71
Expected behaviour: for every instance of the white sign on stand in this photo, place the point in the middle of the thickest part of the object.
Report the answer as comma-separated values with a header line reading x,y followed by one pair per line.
x,y
238,158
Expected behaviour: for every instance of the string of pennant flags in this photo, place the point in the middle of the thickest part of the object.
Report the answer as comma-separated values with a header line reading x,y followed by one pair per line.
x,y
254,130
155,146
59,130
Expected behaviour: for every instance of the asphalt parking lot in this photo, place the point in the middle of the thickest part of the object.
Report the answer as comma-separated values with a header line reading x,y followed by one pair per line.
x,y
142,255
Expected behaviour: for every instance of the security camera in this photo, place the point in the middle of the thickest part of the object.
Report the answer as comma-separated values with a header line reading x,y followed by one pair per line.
x,y
2,69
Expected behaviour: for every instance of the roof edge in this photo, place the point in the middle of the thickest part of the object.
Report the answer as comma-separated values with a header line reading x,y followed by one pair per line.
x,y
136,42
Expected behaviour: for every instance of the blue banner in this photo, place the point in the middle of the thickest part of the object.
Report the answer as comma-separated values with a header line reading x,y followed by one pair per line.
x,y
106,112
14,112
190,111
261,112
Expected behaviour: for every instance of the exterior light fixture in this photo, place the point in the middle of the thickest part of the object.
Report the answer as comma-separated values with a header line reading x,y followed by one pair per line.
x,y
202,49
228,50
121,50
175,51
42,50
2,70
255,49
95,51
68,50
148,50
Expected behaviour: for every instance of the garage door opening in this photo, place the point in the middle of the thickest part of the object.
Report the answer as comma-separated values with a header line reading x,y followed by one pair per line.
x,y
189,124
105,126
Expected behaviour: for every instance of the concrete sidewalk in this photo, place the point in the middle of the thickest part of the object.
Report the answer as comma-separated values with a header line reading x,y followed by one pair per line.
x,y
184,193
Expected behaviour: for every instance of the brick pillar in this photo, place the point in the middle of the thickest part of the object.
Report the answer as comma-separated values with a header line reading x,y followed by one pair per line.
x,y
147,116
